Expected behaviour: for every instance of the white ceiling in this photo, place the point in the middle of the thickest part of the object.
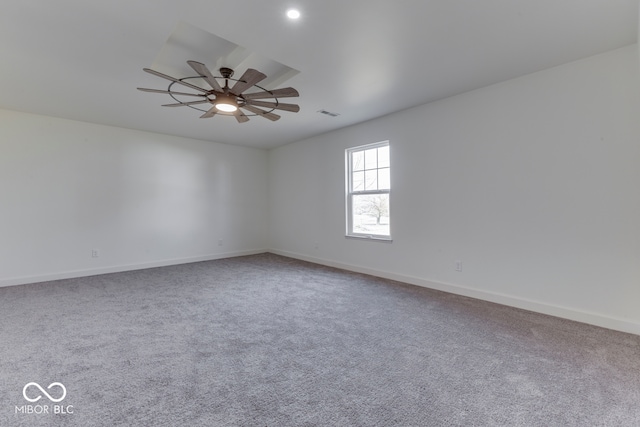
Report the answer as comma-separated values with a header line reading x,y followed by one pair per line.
x,y
83,60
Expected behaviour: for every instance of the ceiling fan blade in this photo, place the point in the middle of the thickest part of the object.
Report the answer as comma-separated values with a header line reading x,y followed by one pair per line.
x,y
202,69
275,105
285,92
168,92
248,79
212,112
173,79
241,118
271,116
181,104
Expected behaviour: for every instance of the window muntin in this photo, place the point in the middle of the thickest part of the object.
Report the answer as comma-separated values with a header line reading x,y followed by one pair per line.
x,y
368,191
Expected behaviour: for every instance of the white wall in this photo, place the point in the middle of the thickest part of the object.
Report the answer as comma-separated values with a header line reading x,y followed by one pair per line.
x,y
142,199
533,183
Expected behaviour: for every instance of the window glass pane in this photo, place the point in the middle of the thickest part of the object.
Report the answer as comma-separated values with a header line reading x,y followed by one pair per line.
x,y
384,179
357,181
369,171
371,214
371,158
357,160
383,157
371,180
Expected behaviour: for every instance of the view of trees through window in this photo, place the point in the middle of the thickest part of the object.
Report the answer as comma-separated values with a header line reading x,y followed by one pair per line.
x,y
369,186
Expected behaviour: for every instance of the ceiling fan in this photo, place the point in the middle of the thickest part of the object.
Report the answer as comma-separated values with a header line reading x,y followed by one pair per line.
x,y
225,100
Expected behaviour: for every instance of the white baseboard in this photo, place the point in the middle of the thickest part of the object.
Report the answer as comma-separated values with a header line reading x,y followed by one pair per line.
x,y
595,319
120,268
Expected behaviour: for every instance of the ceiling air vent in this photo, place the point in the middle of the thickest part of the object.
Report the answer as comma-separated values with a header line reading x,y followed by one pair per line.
x,y
328,113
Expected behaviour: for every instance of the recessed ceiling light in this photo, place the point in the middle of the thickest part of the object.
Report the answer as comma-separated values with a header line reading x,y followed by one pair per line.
x,y
293,14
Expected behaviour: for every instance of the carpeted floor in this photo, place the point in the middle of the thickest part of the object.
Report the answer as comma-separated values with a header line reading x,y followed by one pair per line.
x,y
270,341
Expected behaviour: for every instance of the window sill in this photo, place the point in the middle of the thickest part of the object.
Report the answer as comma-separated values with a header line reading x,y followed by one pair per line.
x,y
369,237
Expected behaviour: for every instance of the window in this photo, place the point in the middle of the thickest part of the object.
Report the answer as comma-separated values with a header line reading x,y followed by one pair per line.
x,y
368,190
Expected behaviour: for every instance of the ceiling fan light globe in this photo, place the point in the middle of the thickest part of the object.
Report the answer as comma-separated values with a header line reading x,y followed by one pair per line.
x,y
226,103
227,108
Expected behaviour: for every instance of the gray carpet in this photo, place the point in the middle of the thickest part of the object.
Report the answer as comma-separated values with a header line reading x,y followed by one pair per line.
x,y
270,341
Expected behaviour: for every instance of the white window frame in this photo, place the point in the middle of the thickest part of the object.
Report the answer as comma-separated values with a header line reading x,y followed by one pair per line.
x,y
349,193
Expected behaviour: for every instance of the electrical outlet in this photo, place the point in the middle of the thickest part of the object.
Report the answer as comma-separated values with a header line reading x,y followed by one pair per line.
x,y
95,253
220,242
458,265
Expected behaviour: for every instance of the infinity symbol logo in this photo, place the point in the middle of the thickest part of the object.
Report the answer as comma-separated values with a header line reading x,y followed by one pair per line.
x,y
43,391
